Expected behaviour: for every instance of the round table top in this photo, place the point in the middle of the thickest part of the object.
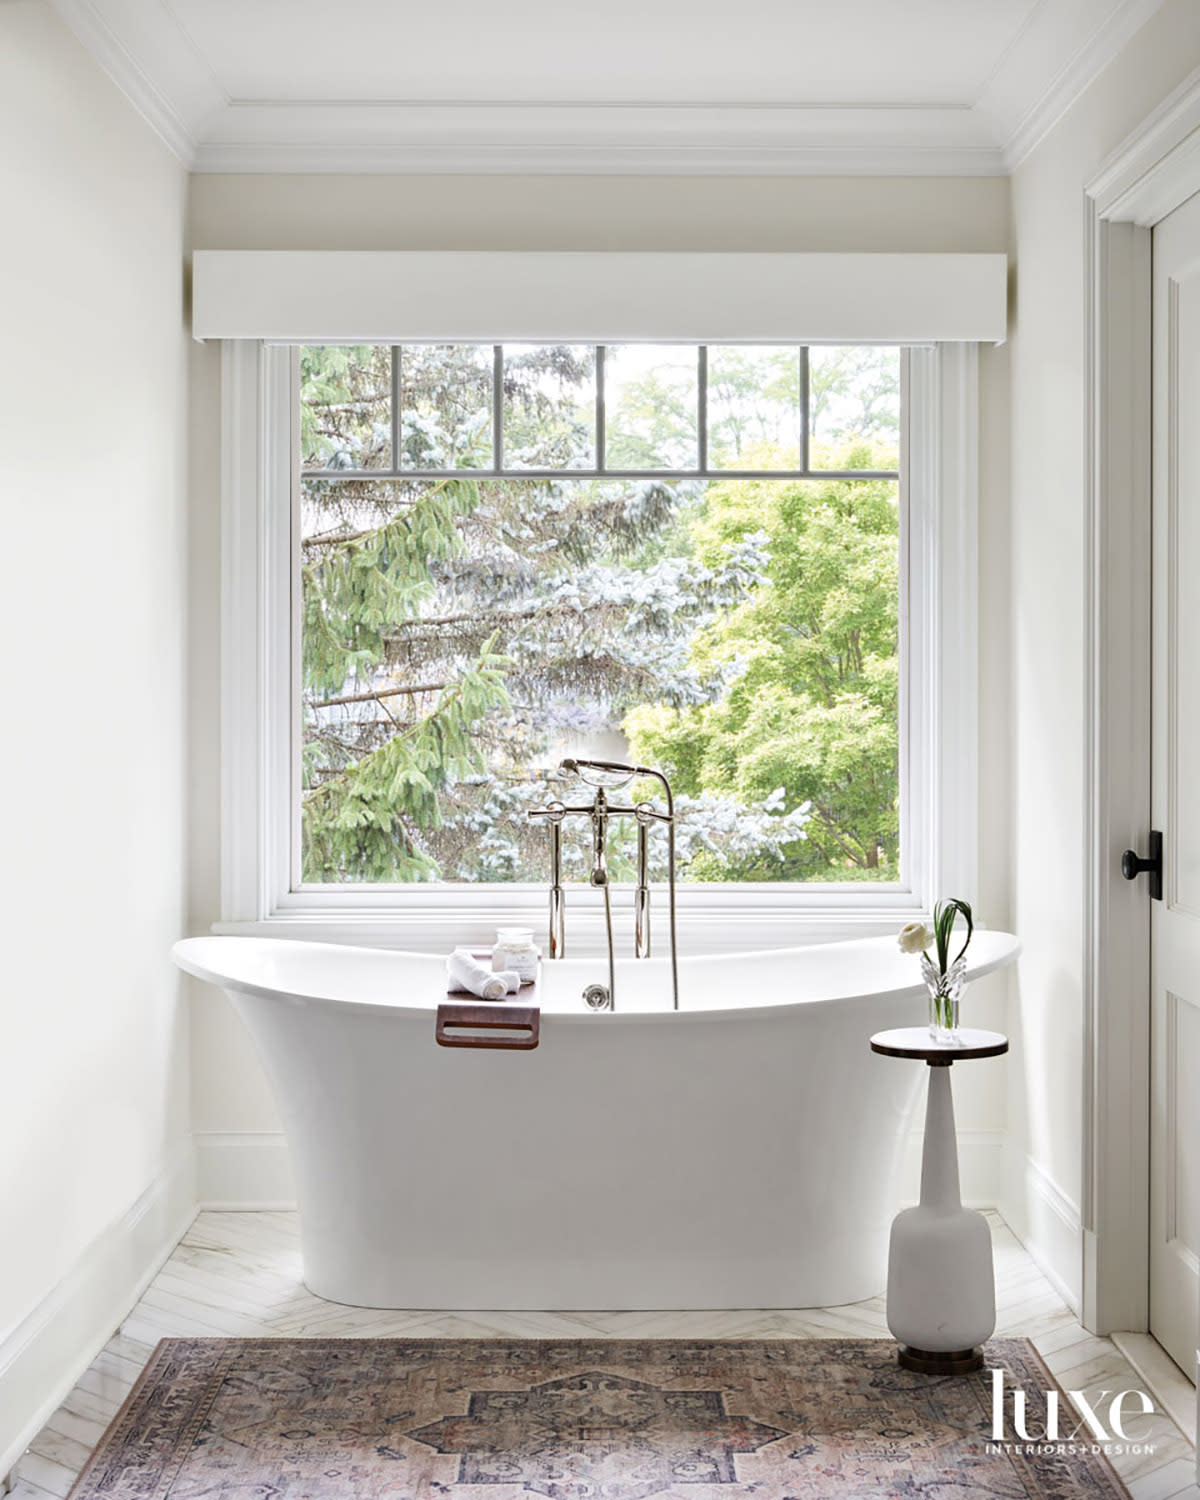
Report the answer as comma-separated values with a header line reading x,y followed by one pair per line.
x,y
916,1042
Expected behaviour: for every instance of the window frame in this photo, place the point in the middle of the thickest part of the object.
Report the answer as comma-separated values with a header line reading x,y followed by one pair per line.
x,y
260,701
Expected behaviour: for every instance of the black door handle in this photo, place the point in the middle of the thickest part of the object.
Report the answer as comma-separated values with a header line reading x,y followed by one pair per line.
x,y
1133,865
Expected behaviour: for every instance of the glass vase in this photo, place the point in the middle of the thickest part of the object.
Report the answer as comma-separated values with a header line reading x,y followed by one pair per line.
x,y
945,992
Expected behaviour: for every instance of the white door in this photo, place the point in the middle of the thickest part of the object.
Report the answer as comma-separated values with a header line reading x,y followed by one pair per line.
x,y
1175,790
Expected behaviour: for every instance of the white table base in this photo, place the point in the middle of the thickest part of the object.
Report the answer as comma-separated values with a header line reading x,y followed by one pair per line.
x,y
941,1293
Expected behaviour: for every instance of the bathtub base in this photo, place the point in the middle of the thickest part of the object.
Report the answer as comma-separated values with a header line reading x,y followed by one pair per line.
x,y
656,1166
634,1285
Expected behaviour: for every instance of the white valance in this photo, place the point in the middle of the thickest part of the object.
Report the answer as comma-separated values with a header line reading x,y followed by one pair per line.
x,y
596,297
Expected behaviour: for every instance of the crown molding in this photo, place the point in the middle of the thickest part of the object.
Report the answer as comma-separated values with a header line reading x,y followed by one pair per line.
x,y
487,160
152,61
1037,118
150,57
644,138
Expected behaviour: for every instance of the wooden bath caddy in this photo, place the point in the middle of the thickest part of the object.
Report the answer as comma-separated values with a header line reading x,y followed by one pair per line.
x,y
463,1016
469,1025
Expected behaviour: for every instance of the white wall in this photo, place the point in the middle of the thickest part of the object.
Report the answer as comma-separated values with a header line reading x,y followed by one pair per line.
x,y
1046,573
236,1124
94,1154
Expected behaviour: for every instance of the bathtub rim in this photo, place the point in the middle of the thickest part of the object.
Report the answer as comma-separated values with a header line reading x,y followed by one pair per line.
x,y
186,953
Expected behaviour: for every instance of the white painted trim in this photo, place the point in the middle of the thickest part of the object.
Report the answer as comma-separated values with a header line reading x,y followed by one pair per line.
x,y
880,157
255,621
955,792
1072,80
637,137
1053,1234
470,920
44,1356
940,760
1047,1223
174,93
241,779
1155,170
244,1170
252,1170
152,59
939,739
1141,180
550,296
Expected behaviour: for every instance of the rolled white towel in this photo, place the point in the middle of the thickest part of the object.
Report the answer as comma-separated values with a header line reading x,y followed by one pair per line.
x,y
465,972
512,980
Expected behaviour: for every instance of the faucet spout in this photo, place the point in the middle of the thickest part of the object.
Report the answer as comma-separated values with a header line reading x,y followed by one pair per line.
x,y
599,874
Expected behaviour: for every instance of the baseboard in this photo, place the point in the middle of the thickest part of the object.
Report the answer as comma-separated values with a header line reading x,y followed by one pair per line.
x,y
1048,1224
243,1170
980,1167
44,1356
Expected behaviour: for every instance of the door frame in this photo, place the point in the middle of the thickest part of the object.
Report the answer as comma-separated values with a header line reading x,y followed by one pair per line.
x,y
1153,171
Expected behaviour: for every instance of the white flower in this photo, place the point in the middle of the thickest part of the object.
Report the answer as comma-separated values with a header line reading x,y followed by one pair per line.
x,y
915,937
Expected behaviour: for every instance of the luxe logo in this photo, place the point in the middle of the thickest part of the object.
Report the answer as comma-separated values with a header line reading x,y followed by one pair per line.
x,y
1090,1425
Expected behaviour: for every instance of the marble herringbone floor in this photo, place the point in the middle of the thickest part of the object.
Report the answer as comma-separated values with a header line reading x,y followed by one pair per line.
x,y
239,1274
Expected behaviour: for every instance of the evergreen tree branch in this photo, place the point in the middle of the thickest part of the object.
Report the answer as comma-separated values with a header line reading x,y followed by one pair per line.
x,y
377,694
487,619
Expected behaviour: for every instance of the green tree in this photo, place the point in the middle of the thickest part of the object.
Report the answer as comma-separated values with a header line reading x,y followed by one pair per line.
x,y
810,658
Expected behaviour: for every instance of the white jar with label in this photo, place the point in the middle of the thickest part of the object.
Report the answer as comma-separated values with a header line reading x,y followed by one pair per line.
x,y
515,951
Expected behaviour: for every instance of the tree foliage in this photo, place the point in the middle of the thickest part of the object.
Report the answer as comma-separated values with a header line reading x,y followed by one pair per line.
x,y
810,657
460,636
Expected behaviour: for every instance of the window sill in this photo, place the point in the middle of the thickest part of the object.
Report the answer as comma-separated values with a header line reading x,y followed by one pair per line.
x,y
729,927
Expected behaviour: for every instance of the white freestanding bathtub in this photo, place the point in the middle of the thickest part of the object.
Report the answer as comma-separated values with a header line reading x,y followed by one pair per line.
x,y
737,1153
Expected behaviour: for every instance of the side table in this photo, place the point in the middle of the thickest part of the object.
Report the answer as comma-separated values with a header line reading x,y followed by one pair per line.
x,y
941,1289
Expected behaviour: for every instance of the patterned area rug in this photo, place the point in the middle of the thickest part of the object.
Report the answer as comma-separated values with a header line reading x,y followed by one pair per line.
x,y
387,1419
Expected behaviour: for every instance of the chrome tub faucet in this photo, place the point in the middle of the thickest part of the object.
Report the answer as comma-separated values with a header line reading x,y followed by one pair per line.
x,y
605,776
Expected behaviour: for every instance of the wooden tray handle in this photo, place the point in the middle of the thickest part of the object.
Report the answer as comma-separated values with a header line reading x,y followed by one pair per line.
x,y
518,1027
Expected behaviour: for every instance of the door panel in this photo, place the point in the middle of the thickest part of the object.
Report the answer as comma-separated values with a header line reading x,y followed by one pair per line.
x,y
1175,791
1182,481
1182,1062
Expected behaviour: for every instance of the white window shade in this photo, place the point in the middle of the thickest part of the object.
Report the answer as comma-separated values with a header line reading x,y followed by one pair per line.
x,y
597,297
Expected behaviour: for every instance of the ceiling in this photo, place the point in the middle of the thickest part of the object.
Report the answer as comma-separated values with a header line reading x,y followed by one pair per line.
x,y
765,86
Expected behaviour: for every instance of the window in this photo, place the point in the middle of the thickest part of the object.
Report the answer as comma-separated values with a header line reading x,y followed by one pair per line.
x,y
449,566
684,557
